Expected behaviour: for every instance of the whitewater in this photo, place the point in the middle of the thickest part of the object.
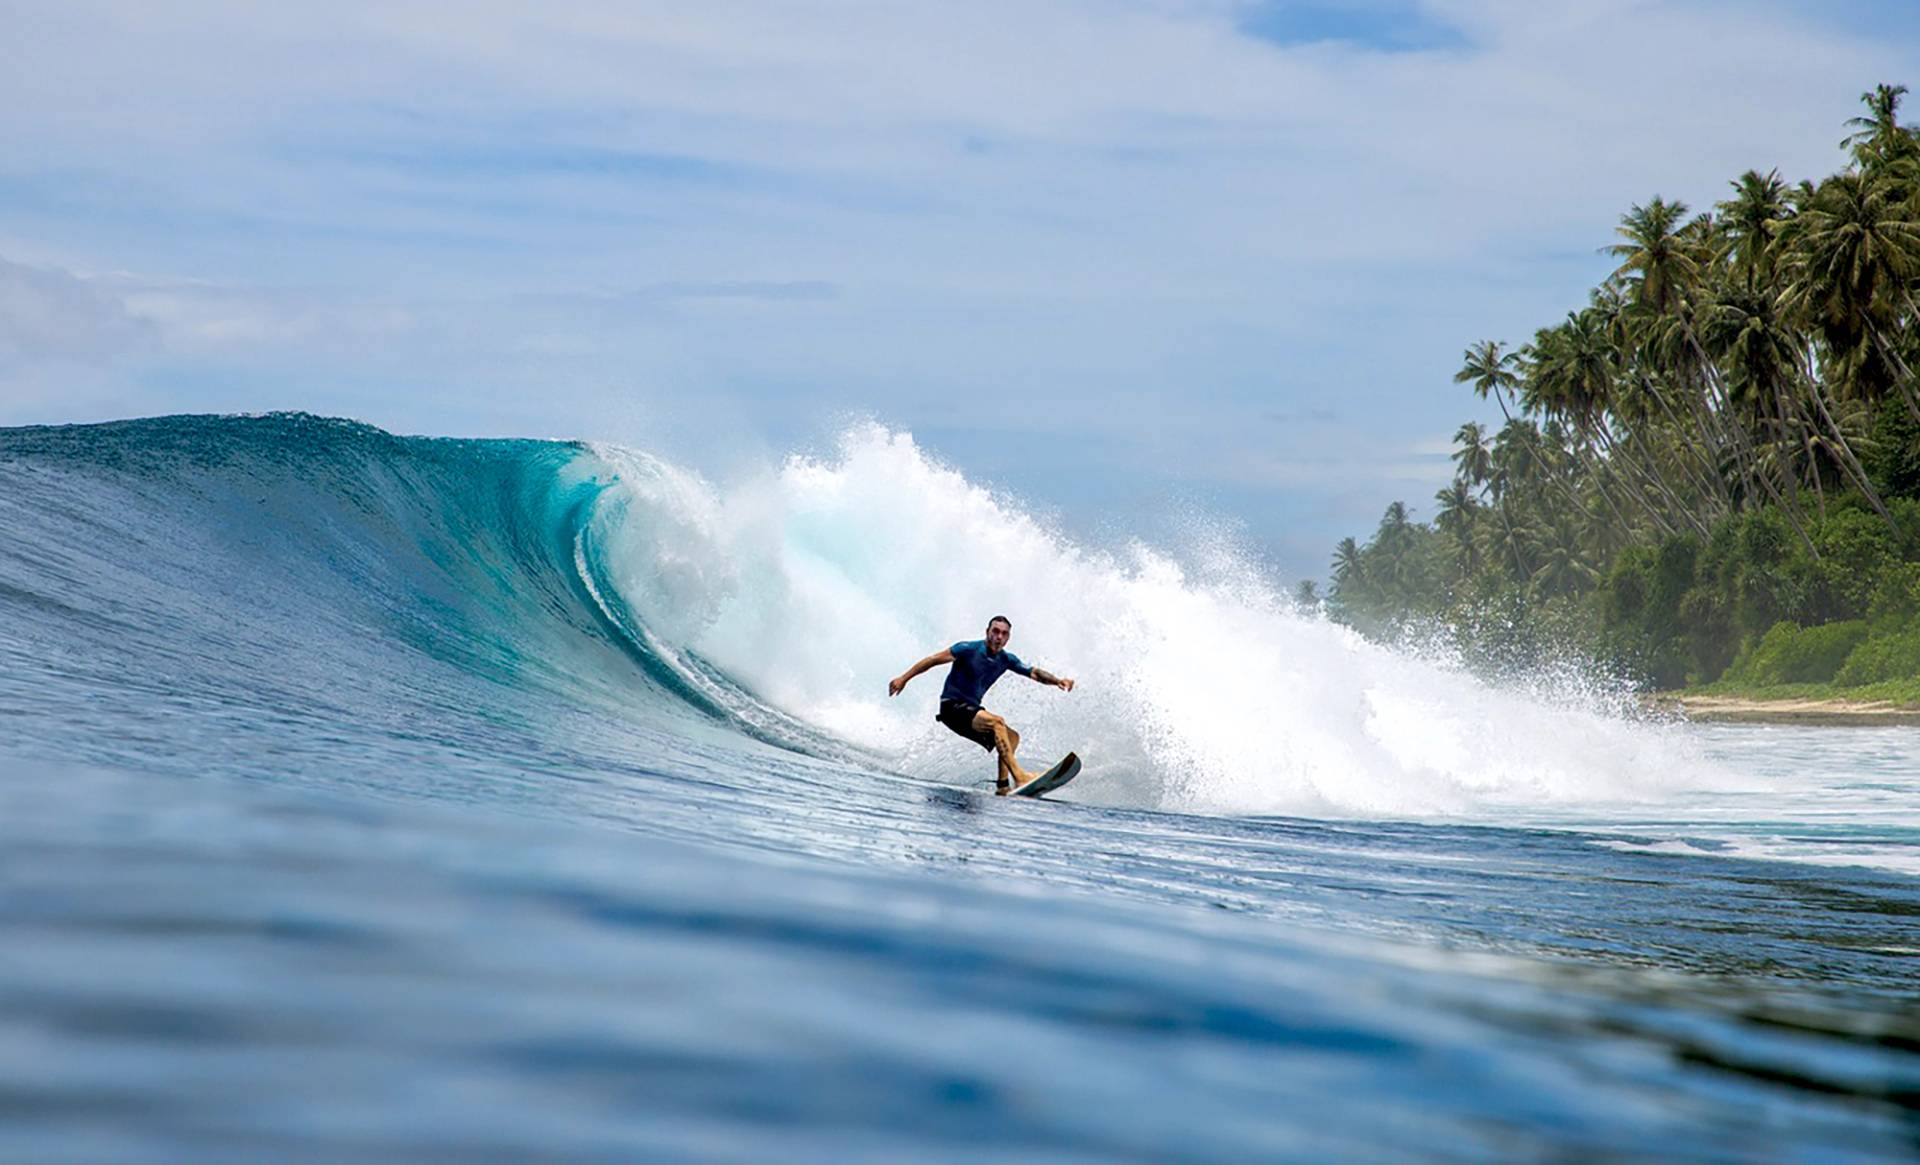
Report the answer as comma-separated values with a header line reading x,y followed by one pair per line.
x,y
410,798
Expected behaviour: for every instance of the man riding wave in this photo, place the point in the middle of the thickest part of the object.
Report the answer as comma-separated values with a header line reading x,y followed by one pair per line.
x,y
977,663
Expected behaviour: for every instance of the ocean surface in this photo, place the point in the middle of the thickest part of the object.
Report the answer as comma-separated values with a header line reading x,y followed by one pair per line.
x,y
367,797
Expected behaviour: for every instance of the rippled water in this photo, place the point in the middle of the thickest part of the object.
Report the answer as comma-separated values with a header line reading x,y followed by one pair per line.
x,y
365,798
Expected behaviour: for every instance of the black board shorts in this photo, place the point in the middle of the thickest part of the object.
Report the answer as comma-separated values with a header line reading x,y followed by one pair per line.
x,y
958,715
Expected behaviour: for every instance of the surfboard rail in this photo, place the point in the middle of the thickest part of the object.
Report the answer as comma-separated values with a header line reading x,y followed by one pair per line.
x,y
1065,770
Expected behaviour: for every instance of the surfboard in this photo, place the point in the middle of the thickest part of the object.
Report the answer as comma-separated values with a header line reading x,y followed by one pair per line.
x,y
1053,778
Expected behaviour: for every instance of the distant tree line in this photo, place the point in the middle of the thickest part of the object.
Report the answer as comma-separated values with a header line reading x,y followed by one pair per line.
x,y
1716,455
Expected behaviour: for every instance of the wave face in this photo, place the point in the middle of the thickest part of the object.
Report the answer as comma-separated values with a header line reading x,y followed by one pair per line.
x,y
334,566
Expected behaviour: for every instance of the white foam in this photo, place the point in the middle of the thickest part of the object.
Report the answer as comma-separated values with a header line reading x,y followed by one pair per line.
x,y
1201,686
1822,795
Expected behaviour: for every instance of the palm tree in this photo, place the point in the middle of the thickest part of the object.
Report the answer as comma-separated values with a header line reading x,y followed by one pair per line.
x,y
1655,260
1491,370
1456,508
1389,554
1856,252
1458,516
1878,139
1750,223
1650,454
1475,467
1764,347
1570,375
1349,565
1641,401
1661,267
1563,569
1395,525
1516,456
1746,329
1472,461
1852,422
1662,263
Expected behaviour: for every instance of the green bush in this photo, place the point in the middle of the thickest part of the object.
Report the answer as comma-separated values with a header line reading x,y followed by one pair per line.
x,y
1642,613
1754,566
1791,654
1708,640
1894,656
1856,551
1896,599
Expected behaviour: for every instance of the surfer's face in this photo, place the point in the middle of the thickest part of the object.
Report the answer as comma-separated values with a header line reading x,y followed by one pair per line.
x,y
997,635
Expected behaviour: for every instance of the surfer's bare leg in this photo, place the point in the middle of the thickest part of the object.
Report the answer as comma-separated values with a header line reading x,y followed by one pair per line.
x,y
1005,741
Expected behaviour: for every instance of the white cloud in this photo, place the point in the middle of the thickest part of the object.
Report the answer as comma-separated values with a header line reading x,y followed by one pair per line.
x,y
1142,149
198,316
47,313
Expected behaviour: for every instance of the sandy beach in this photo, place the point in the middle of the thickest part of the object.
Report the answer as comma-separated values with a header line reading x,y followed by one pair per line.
x,y
1743,710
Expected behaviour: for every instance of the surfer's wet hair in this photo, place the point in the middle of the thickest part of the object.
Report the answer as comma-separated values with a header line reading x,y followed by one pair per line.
x,y
1000,619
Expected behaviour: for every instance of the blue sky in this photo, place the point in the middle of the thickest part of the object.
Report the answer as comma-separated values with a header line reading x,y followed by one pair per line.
x,y
1134,261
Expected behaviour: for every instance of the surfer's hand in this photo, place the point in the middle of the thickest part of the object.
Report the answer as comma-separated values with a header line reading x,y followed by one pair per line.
x,y
1064,684
895,685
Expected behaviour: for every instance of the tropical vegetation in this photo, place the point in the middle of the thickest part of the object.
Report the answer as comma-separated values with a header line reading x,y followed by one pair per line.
x,y
1710,471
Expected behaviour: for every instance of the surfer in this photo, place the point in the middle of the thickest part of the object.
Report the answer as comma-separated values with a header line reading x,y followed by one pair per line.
x,y
977,663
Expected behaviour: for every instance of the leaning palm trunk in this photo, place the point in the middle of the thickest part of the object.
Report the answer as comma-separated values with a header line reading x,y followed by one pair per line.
x,y
1686,460
1849,461
1659,509
1720,405
1782,406
1783,440
1552,477
1743,452
1539,463
1513,540
1677,509
1903,376
1634,487
1623,455
1595,471
1704,423
1710,406
1706,482
1791,510
1786,493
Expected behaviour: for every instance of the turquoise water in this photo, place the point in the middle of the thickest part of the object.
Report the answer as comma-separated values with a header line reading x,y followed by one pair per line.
x,y
389,798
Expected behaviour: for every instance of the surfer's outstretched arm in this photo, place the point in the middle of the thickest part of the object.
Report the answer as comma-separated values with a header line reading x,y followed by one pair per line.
x,y
944,655
1043,676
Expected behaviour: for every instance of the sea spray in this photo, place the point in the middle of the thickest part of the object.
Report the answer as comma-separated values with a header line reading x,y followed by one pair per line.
x,y
1202,688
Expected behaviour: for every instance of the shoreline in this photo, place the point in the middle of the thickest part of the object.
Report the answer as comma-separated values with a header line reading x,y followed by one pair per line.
x,y
1705,709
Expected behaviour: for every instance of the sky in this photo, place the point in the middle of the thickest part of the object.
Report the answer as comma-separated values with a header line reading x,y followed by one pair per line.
x,y
1144,264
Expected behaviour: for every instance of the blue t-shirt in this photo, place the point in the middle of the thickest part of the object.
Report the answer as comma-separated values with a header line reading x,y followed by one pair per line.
x,y
974,671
